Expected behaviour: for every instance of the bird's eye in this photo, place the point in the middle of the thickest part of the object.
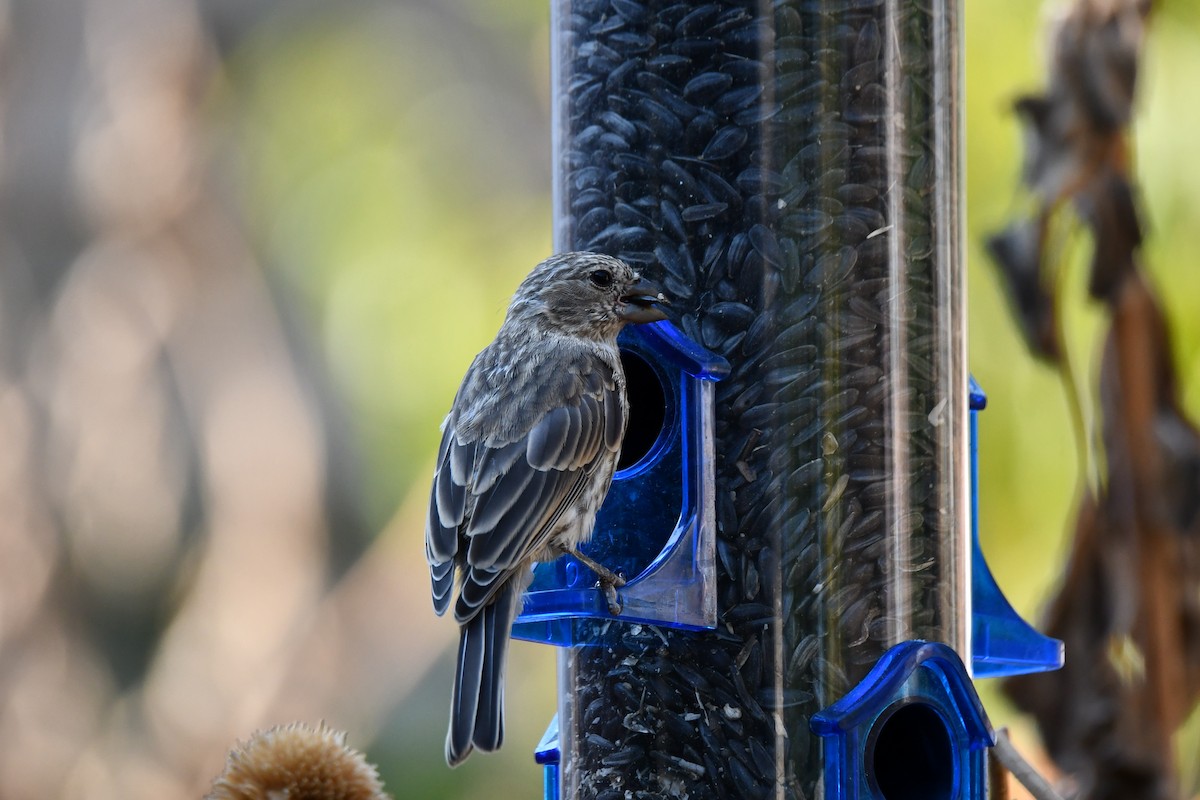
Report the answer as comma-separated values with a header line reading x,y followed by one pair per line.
x,y
602,278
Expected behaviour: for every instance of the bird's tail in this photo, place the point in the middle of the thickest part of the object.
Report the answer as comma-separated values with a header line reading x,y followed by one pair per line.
x,y
477,705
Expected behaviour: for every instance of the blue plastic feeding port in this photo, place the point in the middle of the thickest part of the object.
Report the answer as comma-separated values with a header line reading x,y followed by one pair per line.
x,y
657,525
913,729
549,756
1001,642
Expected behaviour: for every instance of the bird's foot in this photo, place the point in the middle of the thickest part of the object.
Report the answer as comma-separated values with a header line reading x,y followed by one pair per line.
x,y
609,580
610,596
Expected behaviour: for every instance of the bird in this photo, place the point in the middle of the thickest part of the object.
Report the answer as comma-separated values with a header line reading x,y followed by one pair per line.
x,y
527,455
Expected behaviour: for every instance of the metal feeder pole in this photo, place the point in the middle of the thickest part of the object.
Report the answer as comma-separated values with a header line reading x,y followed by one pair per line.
x,y
791,172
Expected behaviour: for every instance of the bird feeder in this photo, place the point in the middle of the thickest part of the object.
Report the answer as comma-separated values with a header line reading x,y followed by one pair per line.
x,y
790,172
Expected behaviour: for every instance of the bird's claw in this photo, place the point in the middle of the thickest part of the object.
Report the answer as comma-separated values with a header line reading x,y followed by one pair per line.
x,y
610,595
608,580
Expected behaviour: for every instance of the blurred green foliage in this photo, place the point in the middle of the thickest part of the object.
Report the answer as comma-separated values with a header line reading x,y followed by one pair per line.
x,y
401,181
398,172
1029,453
1030,456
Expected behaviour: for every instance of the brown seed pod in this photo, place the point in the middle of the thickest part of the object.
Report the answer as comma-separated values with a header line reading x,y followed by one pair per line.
x,y
297,762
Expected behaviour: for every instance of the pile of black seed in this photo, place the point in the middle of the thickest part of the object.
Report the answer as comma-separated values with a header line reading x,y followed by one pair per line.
x,y
772,164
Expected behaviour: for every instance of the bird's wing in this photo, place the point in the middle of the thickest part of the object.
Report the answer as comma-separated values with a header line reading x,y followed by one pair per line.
x,y
506,506
447,510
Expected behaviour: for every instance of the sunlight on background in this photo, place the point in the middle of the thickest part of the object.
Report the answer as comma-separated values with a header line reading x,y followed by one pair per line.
x,y
397,172
250,249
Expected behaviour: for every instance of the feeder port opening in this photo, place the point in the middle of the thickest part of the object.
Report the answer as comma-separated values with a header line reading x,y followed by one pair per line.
x,y
648,420
909,754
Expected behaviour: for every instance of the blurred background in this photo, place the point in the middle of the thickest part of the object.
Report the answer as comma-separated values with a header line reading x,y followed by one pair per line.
x,y
247,250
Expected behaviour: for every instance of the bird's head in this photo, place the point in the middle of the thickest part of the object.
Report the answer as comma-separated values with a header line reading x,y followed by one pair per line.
x,y
586,294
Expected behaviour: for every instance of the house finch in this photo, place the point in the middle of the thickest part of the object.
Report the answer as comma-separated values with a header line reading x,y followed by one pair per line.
x,y
527,455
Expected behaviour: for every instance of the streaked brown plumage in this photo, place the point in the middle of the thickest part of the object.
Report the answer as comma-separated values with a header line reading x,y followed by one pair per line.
x,y
527,455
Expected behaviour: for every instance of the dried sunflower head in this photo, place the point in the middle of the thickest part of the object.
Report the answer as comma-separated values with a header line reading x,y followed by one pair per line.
x,y
297,762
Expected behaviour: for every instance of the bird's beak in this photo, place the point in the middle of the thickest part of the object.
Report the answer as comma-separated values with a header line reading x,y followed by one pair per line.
x,y
641,303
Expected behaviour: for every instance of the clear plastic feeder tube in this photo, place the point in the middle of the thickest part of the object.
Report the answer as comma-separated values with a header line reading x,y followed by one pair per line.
x,y
789,171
